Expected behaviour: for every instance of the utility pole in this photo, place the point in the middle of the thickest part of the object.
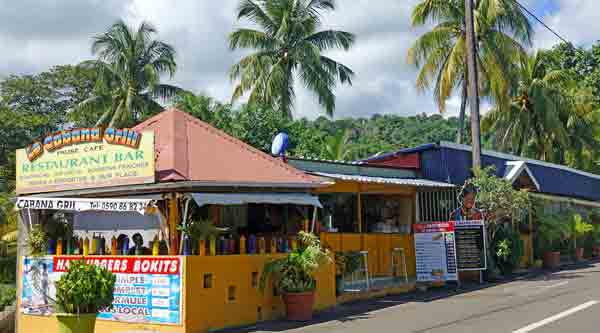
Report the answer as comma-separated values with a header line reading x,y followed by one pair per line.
x,y
473,90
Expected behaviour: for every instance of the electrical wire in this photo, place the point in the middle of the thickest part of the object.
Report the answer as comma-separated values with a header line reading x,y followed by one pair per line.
x,y
530,13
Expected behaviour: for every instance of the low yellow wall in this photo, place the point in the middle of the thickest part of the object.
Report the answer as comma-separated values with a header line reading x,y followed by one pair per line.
x,y
379,246
527,250
211,308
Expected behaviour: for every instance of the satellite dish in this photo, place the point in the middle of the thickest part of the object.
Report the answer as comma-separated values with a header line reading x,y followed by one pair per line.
x,y
280,144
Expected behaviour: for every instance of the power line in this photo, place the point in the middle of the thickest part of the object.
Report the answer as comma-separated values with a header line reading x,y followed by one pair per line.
x,y
530,13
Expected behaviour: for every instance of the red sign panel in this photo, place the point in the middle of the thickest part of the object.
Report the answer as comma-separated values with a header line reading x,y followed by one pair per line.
x,y
129,265
434,227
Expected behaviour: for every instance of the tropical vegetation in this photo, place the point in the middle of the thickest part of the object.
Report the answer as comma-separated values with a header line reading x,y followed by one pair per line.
x,y
85,289
129,68
295,273
502,31
289,46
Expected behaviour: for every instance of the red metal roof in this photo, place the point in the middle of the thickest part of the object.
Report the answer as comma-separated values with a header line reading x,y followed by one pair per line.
x,y
188,149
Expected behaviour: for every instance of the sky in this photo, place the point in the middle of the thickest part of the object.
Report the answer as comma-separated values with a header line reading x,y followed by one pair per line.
x,y
37,34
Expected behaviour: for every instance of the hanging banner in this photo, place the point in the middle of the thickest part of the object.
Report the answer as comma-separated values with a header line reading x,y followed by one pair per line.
x,y
72,204
86,158
435,252
470,245
147,290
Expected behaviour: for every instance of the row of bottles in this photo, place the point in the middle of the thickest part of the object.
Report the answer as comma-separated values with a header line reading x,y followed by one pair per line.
x,y
97,245
253,245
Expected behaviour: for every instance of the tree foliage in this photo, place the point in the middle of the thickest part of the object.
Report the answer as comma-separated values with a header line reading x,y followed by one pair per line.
x,y
129,67
289,46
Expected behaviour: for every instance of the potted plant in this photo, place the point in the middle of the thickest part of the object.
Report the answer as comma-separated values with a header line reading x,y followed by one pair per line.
x,y
37,240
293,276
81,293
551,229
579,229
346,263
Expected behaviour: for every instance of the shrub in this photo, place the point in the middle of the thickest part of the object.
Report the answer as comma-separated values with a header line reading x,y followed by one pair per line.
x,y
8,296
85,288
37,241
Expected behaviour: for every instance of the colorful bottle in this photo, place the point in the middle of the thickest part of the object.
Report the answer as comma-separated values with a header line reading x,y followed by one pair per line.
x,y
222,249
284,246
252,244
186,245
201,247
155,246
273,245
212,246
70,246
262,246
101,245
86,246
242,244
94,246
294,244
125,246
113,245
59,247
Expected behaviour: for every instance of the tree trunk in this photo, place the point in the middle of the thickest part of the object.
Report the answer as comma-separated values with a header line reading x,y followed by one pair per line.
x,y
473,85
461,116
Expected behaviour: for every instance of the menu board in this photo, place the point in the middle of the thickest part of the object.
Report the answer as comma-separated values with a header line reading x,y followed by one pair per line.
x,y
470,245
435,252
147,289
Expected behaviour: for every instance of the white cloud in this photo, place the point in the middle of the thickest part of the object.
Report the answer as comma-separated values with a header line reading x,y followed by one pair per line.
x,y
36,35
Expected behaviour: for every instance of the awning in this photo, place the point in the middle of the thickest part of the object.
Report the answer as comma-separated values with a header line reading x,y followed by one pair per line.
x,y
304,199
138,205
386,180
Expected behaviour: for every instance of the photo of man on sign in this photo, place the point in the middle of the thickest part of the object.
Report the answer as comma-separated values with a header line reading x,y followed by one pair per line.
x,y
467,210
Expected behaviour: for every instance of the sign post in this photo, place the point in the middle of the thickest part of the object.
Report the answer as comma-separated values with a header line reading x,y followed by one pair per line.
x,y
471,247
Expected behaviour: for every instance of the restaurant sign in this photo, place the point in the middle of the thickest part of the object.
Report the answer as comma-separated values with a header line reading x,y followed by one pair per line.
x,y
147,289
435,252
86,158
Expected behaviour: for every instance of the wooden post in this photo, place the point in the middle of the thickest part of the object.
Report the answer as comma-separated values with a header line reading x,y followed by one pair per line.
x,y
173,221
360,221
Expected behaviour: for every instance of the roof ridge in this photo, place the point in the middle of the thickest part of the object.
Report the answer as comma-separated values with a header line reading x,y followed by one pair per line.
x,y
291,170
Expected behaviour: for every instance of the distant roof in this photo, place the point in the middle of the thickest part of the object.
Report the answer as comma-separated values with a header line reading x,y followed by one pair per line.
x,y
188,149
387,180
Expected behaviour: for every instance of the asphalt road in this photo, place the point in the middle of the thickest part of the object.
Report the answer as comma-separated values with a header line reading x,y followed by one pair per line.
x,y
566,301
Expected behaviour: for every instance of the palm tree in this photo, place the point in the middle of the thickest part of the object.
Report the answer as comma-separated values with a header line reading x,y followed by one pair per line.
x,y
129,66
338,146
501,29
288,46
533,124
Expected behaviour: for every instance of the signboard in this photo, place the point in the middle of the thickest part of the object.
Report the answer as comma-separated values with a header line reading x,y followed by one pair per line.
x,y
111,205
86,158
148,289
470,245
435,252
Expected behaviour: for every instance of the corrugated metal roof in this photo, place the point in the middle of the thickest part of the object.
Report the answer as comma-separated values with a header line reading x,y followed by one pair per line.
x,y
303,158
386,180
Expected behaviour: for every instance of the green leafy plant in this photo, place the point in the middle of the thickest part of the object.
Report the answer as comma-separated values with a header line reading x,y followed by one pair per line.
x,y
8,296
596,234
508,249
347,262
85,289
580,228
295,272
37,240
552,230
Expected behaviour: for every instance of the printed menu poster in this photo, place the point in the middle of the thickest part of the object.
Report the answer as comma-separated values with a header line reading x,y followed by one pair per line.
x,y
147,289
470,245
435,252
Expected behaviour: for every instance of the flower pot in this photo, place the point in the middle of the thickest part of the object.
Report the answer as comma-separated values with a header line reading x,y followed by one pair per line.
x,y
552,259
299,306
596,250
579,253
73,323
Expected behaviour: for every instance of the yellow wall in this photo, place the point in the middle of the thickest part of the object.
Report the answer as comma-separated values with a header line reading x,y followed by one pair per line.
x,y
527,250
205,309
342,186
379,246
211,309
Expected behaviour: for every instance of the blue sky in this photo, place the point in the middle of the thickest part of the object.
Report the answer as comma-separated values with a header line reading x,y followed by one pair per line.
x,y
35,35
